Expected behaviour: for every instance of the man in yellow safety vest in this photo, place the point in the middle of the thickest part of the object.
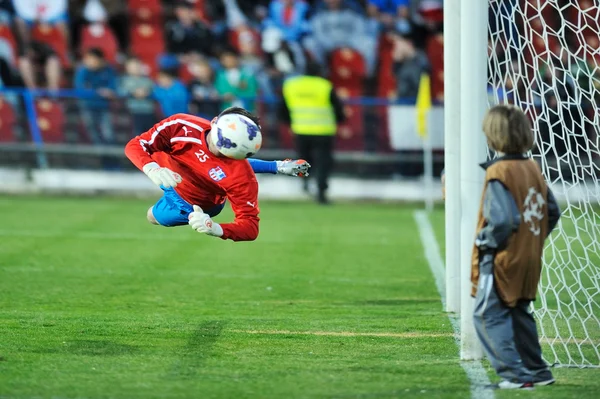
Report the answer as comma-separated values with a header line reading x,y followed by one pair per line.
x,y
313,111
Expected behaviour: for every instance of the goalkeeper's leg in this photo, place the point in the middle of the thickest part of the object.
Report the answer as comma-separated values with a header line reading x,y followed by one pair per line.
x,y
172,210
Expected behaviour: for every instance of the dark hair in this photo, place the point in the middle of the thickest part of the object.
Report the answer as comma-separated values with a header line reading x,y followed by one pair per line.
x,y
313,68
227,51
172,73
184,4
96,52
241,111
132,58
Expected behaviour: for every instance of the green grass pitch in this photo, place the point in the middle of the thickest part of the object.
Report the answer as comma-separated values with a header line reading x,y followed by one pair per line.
x,y
330,302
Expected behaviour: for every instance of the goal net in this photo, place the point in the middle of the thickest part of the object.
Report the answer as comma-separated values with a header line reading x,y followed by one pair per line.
x,y
544,56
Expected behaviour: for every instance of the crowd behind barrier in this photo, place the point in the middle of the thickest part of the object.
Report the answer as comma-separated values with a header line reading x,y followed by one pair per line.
x,y
150,58
41,128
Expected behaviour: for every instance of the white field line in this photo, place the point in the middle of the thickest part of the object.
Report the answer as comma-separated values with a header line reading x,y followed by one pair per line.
x,y
474,369
414,334
165,236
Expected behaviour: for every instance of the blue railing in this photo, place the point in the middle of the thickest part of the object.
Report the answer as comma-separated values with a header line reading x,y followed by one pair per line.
x,y
29,96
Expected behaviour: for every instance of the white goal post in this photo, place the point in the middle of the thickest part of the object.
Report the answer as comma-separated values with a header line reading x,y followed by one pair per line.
x,y
543,56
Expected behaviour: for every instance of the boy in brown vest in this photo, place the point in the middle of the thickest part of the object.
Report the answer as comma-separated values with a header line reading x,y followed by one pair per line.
x,y
518,211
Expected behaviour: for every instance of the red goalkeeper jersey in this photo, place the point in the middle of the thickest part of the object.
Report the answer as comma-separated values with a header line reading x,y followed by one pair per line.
x,y
179,143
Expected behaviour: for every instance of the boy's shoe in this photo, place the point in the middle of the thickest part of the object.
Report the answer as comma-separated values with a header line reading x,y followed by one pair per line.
x,y
543,383
505,384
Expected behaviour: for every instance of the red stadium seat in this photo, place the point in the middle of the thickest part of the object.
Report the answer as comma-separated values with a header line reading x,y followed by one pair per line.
x,y
201,11
435,53
102,37
8,120
243,34
6,35
348,69
386,83
147,43
539,8
144,11
350,135
185,75
52,36
432,12
51,120
585,16
592,46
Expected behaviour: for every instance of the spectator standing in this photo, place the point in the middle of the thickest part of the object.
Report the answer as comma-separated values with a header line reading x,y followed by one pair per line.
x,y
171,94
187,37
7,52
338,25
313,111
237,86
280,59
46,14
97,75
205,100
409,64
290,18
138,89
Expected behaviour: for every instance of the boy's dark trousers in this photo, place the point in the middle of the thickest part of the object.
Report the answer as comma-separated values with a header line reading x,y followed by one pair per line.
x,y
508,335
317,150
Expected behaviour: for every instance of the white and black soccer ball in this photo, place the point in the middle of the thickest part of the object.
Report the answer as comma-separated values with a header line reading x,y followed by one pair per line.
x,y
236,136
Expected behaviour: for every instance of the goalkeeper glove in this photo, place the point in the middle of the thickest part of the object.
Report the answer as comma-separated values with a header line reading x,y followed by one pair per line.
x,y
293,167
164,177
202,223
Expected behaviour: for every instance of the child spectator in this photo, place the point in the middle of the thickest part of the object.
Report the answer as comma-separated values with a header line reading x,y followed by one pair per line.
x,y
204,97
252,62
188,37
95,74
138,89
409,64
171,94
518,211
236,85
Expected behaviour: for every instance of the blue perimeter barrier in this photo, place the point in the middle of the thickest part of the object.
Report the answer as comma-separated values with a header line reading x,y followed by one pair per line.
x,y
29,97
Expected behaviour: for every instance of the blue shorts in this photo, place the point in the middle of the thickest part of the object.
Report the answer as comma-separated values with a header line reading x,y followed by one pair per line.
x,y
172,210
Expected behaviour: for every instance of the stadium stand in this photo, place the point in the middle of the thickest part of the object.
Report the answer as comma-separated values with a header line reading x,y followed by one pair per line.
x,y
234,26
8,120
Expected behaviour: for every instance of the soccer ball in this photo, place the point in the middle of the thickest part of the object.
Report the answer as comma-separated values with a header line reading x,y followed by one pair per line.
x,y
236,136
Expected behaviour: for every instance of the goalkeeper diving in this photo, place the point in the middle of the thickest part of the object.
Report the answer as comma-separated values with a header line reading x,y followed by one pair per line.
x,y
200,164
